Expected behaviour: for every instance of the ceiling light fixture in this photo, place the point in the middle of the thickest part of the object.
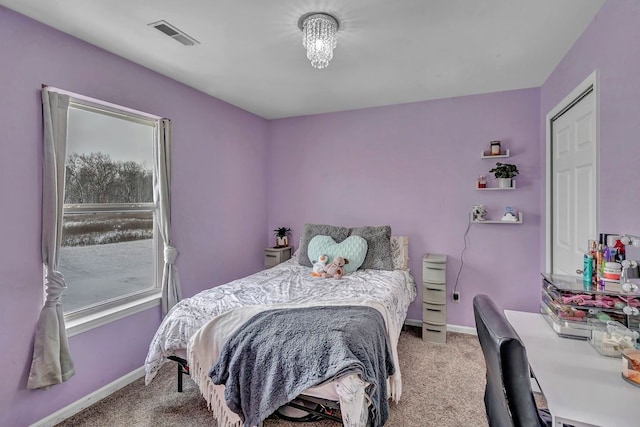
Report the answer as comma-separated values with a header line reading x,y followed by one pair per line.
x,y
319,37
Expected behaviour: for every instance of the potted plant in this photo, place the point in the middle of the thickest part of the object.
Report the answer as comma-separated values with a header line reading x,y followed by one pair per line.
x,y
504,172
282,239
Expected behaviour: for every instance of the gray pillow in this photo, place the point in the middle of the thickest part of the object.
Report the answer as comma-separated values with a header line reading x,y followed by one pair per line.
x,y
311,230
379,252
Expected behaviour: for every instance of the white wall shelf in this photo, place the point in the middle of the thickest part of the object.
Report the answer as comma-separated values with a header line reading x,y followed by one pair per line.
x,y
485,155
499,221
513,187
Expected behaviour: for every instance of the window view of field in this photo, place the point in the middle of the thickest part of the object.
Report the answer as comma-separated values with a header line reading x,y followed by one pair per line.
x,y
99,273
105,255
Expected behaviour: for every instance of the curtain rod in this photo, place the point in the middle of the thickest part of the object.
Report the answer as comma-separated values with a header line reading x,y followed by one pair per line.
x,y
105,104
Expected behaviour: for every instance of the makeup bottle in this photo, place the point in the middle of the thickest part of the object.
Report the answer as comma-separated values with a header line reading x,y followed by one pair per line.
x,y
587,269
599,263
592,252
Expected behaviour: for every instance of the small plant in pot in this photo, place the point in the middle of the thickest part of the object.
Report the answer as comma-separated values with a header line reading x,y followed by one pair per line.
x,y
282,239
504,173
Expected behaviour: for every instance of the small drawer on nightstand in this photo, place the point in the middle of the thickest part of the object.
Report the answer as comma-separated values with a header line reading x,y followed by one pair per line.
x,y
274,256
434,293
271,259
434,333
434,313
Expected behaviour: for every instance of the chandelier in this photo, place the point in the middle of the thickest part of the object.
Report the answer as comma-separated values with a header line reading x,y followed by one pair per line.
x,y
319,37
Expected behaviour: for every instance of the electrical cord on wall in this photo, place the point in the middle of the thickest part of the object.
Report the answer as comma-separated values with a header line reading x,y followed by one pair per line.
x,y
466,232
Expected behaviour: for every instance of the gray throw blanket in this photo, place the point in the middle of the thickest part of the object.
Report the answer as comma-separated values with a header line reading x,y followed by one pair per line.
x,y
278,354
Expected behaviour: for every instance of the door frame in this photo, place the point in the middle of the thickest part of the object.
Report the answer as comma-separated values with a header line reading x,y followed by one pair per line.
x,y
591,82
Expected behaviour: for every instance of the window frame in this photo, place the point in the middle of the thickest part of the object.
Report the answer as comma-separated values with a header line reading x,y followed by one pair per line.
x,y
94,315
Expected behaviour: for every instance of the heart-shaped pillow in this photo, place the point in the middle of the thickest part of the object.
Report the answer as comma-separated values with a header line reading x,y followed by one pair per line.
x,y
353,248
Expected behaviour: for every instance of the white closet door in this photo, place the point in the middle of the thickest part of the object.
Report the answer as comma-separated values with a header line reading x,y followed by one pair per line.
x,y
574,184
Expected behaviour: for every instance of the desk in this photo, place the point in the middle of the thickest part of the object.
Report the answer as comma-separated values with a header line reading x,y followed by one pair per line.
x,y
582,387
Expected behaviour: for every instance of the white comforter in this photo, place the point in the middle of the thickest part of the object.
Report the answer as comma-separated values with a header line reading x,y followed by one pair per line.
x,y
286,283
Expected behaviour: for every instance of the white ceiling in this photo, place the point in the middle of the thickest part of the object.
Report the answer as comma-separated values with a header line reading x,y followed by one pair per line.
x,y
389,51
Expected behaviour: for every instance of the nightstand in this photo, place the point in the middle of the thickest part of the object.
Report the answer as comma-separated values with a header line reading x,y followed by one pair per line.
x,y
274,256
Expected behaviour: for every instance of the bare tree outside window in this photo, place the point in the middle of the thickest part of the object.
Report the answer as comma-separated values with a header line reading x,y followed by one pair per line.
x,y
96,178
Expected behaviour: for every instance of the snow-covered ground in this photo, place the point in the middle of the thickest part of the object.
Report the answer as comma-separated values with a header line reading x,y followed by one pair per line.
x,y
100,272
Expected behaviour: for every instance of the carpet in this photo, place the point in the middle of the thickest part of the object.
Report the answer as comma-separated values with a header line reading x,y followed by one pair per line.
x,y
443,386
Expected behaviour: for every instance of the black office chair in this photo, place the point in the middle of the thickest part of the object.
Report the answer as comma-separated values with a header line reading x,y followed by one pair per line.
x,y
508,398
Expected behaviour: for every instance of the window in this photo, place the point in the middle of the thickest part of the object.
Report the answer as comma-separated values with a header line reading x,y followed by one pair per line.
x,y
110,252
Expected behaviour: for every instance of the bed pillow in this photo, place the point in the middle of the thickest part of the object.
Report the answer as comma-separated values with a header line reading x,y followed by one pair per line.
x,y
297,250
311,230
353,248
400,252
378,239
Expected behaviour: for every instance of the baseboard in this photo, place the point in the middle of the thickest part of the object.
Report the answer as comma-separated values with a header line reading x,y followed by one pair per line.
x,y
77,406
451,328
462,329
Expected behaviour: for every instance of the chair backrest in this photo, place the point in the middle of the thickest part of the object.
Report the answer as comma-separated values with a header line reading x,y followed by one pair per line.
x,y
508,398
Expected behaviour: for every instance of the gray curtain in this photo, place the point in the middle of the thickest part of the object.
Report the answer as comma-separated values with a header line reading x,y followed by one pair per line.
x,y
51,363
171,292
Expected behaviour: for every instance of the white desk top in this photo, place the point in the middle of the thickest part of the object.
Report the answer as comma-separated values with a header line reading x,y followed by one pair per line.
x,y
579,384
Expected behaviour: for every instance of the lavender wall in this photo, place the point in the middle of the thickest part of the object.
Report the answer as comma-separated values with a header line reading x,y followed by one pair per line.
x,y
414,166
610,45
219,201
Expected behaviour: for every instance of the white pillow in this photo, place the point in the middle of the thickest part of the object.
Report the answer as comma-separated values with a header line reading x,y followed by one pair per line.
x,y
400,252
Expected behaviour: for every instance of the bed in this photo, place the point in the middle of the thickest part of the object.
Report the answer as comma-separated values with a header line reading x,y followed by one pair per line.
x,y
198,327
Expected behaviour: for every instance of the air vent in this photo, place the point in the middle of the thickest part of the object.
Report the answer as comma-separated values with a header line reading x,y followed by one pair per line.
x,y
171,31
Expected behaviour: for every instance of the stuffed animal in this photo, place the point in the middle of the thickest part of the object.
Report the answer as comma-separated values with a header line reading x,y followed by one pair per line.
x,y
479,213
335,269
319,265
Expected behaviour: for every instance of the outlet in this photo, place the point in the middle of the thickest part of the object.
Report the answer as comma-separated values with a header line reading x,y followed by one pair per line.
x,y
456,297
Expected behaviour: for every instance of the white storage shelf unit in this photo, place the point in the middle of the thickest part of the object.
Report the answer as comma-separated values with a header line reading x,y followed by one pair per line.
x,y
505,154
513,187
499,221
434,298
485,155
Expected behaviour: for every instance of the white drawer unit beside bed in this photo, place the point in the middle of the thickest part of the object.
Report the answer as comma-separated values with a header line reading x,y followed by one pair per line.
x,y
434,298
